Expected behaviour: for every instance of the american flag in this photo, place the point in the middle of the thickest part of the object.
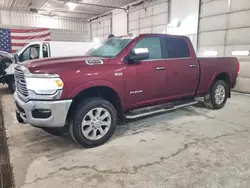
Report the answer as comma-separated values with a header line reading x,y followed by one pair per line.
x,y
13,39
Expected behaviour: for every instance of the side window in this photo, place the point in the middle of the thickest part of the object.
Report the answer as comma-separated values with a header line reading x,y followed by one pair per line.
x,y
45,51
25,55
32,52
153,44
176,48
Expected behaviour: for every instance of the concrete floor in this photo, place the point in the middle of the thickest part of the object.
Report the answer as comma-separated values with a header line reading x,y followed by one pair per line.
x,y
190,148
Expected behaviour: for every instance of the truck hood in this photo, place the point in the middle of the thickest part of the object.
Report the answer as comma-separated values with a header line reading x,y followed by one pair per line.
x,y
46,65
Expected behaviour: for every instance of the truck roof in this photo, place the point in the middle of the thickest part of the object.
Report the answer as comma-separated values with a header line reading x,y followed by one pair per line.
x,y
152,34
57,42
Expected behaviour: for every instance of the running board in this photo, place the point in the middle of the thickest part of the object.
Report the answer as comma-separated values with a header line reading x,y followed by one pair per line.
x,y
171,107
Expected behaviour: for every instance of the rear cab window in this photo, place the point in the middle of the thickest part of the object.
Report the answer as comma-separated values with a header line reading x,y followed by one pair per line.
x,y
175,48
45,51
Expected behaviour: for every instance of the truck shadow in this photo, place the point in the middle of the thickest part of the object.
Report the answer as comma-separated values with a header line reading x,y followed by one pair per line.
x,y
40,141
4,91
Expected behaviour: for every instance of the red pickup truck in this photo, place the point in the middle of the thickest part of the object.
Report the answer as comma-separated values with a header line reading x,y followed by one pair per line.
x,y
122,78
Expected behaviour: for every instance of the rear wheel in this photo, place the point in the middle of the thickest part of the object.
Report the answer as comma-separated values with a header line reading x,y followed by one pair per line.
x,y
94,122
217,97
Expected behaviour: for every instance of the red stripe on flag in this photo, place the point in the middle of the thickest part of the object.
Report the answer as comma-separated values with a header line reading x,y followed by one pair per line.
x,y
13,51
28,30
30,37
18,44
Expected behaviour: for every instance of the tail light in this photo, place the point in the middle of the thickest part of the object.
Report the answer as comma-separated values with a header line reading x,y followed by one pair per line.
x,y
238,69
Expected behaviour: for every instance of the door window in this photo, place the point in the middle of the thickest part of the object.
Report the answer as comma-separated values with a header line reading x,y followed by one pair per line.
x,y
32,52
176,48
153,44
25,55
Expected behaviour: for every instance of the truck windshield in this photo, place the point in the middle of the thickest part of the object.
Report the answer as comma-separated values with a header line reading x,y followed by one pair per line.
x,y
109,48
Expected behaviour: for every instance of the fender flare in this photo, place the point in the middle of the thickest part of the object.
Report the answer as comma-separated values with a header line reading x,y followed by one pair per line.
x,y
212,80
96,83
217,74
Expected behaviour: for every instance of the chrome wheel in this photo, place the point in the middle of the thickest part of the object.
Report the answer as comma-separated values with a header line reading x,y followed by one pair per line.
x,y
96,123
220,94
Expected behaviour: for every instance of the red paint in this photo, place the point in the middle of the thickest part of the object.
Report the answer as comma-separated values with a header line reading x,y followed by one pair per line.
x,y
178,80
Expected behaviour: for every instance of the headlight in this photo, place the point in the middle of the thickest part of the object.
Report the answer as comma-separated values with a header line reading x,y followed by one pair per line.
x,y
44,86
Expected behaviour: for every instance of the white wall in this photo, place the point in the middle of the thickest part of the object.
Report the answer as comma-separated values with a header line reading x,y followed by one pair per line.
x,y
225,27
153,17
67,29
187,12
101,27
69,35
119,22
150,16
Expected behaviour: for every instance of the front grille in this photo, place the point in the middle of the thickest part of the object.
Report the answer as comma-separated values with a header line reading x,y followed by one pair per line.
x,y
20,81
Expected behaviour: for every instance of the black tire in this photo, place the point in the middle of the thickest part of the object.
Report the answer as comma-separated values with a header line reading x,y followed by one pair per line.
x,y
81,111
56,131
209,99
12,85
18,117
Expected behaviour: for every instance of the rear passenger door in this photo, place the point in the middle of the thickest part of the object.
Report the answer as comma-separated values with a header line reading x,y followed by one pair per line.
x,y
182,70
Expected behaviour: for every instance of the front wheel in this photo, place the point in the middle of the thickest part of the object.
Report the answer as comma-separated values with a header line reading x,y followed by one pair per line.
x,y
18,118
217,97
94,122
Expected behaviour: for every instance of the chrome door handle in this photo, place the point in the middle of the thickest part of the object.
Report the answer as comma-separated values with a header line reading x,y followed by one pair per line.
x,y
160,68
192,66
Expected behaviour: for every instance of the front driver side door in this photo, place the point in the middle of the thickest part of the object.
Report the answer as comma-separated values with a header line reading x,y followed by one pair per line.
x,y
146,81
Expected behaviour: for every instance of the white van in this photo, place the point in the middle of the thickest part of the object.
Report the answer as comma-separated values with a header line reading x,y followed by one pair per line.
x,y
44,49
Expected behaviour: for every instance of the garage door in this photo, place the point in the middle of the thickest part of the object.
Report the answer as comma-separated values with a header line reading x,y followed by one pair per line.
x,y
101,27
224,28
149,17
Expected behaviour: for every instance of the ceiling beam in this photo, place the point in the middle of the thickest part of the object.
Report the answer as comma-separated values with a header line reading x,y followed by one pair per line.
x,y
63,11
103,6
12,4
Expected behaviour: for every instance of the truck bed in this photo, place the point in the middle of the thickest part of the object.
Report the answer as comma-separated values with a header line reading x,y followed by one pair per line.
x,y
209,68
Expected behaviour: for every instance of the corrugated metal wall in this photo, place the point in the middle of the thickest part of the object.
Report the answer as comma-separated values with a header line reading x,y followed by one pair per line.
x,y
119,22
101,27
224,28
144,17
187,14
149,17
62,29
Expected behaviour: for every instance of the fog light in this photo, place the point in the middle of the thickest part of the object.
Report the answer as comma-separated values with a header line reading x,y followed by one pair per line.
x,y
41,113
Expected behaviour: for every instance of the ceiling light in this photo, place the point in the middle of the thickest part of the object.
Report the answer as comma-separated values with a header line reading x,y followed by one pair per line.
x,y
240,53
211,53
71,6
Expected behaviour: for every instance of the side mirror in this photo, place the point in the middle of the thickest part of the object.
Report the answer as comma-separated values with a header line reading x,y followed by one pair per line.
x,y
16,58
138,54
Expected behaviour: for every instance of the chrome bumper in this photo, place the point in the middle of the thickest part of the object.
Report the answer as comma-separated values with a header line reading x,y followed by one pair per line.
x,y
59,110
